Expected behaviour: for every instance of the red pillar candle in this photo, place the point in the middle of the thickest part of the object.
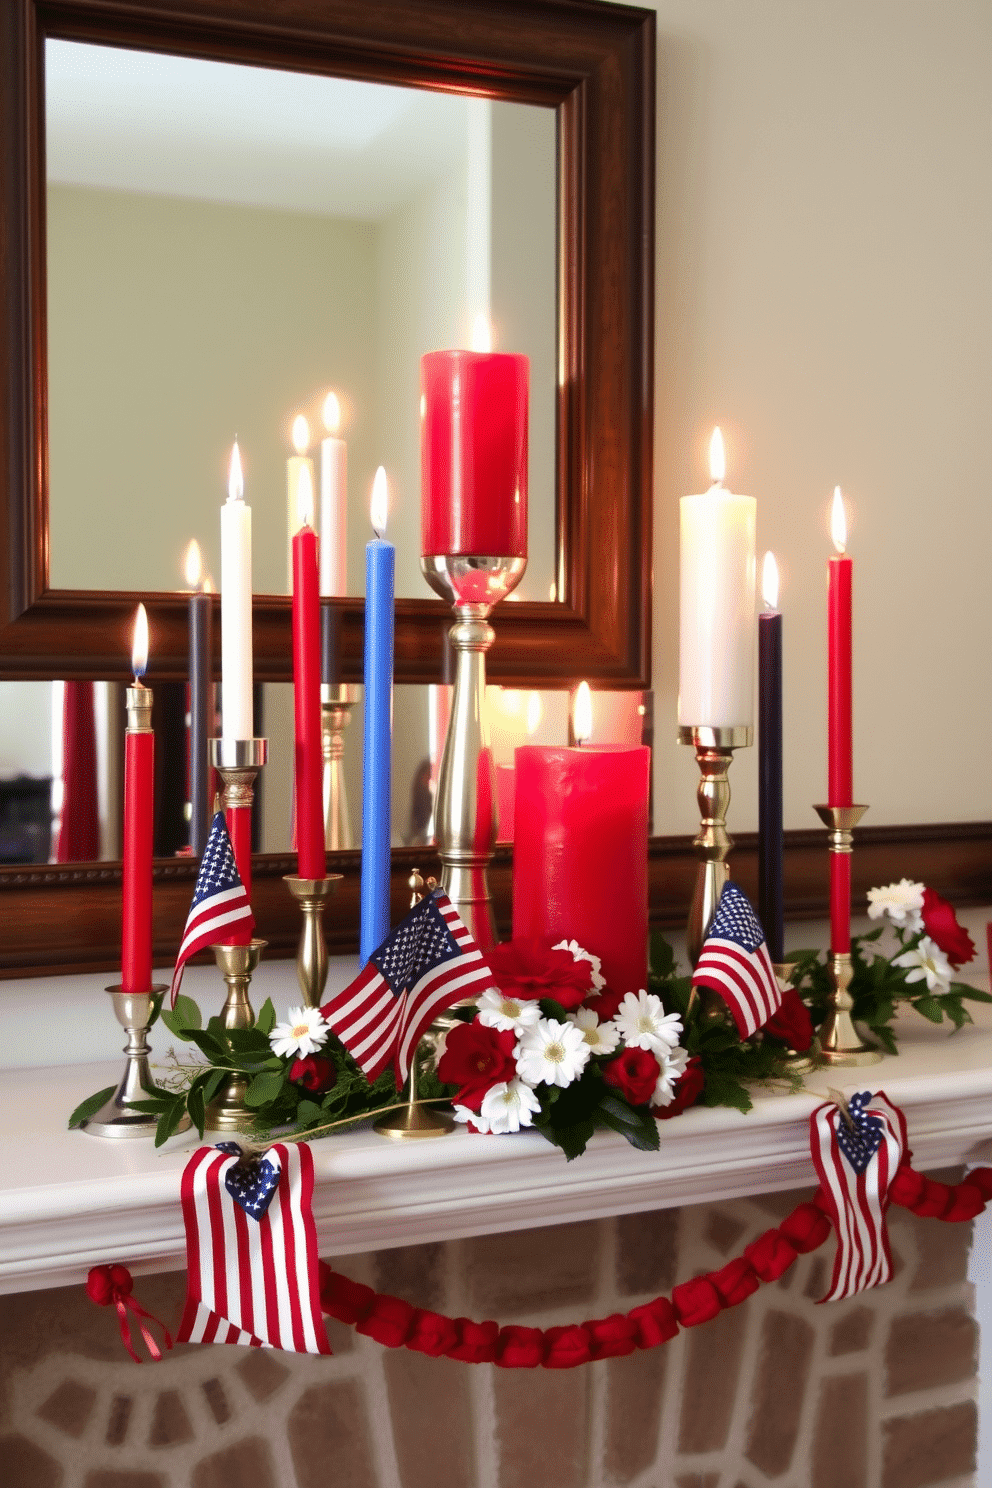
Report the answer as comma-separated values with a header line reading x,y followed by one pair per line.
x,y
474,453
840,741
139,813
580,855
312,862
840,902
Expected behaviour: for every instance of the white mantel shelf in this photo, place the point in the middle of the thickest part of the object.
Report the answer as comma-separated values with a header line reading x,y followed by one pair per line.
x,y
69,1201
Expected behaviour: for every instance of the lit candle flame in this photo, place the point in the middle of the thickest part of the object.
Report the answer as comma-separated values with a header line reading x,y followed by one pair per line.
x,y
331,413
838,521
380,502
769,582
482,335
235,479
534,712
304,498
301,434
193,565
139,646
582,713
718,462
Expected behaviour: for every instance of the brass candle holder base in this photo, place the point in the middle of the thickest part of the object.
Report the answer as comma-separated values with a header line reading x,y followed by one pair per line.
x,y
714,755
840,1042
227,1111
413,1120
311,953
117,1117
807,1060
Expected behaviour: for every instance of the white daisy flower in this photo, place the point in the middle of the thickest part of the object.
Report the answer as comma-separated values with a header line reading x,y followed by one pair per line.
x,y
643,1023
602,1038
508,1106
902,902
462,1113
927,960
673,1066
302,1033
552,1052
578,954
502,1013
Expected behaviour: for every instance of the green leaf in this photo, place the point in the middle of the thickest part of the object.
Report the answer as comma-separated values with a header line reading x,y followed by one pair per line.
x,y
662,957
266,1020
723,1090
264,1088
930,1008
612,1107
249,1041
308,1111
216,1053
571,1139
184,1016
644,1136
552,1009
973,994
213,1082
195,1105
169,1120
90,1106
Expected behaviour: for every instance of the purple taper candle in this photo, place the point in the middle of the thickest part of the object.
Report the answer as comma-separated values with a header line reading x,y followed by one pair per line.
x,y
770,891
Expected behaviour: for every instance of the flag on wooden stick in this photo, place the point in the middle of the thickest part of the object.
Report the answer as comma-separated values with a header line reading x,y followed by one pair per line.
x,y
220,913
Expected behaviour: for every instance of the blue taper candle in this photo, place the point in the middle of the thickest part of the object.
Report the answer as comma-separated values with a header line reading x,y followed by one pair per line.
x,y
380,563
770,887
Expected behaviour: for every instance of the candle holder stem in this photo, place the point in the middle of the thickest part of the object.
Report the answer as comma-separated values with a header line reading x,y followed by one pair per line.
x,y
840,1042
413,1121
227,1110
311,953
238,762
714,755
117,1118
336,703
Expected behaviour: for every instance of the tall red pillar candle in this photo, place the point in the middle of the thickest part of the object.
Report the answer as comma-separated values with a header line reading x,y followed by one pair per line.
x,y
139,815
840,739
580,855
312,862
474,453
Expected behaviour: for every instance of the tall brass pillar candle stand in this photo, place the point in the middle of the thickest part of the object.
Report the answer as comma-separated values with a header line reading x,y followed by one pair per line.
x,y
466,804
227,1110
336,702
117,1117
714,755
840,1042
311,953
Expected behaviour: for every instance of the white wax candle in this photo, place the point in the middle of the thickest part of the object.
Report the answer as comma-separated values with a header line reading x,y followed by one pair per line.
x,y
235,608
717,618
296,465
333,503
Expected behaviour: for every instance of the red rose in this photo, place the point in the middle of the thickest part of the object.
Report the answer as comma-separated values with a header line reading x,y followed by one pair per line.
x,y
635,1074
313,1073
792,1024
476,1058
529,970
941,924
606,1003
688,1088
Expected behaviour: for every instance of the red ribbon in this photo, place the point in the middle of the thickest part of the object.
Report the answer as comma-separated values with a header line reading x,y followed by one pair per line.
x,y
112,1285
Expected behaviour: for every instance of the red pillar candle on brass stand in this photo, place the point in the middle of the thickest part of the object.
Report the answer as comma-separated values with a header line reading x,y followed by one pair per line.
x,y
580,853
474,552
839,1040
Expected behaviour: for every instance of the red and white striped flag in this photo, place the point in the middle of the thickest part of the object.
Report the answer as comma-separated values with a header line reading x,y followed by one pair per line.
x,y
251,1250
220,913
734,962
429,962
856,1165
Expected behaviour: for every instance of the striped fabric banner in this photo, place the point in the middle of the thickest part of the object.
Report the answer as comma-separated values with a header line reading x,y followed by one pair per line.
x,y
252,1281
856,1168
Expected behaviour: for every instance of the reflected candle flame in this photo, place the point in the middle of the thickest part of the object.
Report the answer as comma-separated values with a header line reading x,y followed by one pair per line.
x,y
582,713
534,712
304,498
331,413
193,565
139,645
769,582
482,335
718,461
235,478
301,434
838,521
379,509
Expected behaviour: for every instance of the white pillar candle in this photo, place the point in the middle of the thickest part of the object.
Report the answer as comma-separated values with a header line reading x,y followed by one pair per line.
x,y
295,466
717,617
333,503
235,607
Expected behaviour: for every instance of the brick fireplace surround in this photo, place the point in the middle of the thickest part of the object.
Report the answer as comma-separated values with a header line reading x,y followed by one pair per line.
x,y
875,1392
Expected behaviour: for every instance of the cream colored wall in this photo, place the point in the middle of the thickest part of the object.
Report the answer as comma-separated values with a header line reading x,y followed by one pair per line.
x,y
823,293
175,325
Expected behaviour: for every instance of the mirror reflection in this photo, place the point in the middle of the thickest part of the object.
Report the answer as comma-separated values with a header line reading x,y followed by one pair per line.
x,y
226,246
61,762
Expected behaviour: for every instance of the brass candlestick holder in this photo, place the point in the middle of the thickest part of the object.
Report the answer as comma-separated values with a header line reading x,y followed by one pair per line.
x,y
840,1042
227,1110
466,796
336,702
117,1117
237,762
714,755
311,953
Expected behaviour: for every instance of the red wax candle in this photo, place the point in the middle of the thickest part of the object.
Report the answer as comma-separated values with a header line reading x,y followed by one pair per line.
x,y
139,814
840,741
580,855
474,453
306,702
238,819
840,902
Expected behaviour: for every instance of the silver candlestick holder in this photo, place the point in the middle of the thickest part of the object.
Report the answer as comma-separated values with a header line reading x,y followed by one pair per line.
x,y
117,1118
336,702
466,797
714,755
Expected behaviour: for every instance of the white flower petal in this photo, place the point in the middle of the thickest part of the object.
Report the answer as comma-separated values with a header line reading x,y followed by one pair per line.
x,y
927,960
602,1038
552,1053
503,1013
508,1106
462,1113
643,1023
303,1033
902,902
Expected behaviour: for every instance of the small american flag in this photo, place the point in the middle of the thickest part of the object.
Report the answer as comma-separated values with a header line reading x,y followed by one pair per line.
x,y
734,962
220,912
251,1250
856,1168
429,962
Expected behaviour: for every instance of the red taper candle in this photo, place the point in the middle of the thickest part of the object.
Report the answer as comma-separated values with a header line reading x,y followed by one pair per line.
x,y
840,739
311,859
139,814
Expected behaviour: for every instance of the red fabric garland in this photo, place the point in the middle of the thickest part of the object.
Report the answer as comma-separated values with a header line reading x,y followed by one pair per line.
x,y
396,1323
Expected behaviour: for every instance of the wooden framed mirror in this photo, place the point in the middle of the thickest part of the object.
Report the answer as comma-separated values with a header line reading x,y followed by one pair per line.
x,y
593,67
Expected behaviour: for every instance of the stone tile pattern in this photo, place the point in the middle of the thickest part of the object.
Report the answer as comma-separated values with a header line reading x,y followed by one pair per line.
x,y
875,1392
